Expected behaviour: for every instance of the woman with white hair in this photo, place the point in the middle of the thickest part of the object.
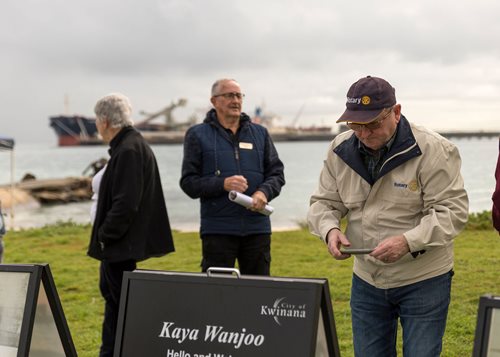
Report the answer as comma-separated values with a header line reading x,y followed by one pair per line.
x,y
131,221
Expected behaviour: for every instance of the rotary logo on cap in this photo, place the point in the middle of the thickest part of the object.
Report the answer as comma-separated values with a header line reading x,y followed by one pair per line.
x,y
366,99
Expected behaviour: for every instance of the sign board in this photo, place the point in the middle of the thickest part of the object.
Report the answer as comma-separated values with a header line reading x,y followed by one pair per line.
x,y
32,321
487,339
172,314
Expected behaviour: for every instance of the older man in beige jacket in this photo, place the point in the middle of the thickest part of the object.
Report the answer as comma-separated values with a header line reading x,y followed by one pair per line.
x,y
400,188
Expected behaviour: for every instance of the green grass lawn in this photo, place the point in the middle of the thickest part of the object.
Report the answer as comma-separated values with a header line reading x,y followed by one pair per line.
x,y
294,254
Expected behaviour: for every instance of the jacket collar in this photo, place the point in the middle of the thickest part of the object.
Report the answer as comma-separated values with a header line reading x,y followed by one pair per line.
x,y
211,118
348,151
115,142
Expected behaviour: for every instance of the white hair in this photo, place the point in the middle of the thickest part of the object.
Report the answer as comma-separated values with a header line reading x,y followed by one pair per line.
x,y
116,109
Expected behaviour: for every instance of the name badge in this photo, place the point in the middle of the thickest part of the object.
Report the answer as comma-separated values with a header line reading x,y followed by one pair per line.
x,y
247,146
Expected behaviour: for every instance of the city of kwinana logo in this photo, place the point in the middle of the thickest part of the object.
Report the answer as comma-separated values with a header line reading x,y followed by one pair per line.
x,y
282,309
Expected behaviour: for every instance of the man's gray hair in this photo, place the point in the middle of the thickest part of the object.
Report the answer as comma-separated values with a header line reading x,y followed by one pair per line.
x,y
217,84
116,109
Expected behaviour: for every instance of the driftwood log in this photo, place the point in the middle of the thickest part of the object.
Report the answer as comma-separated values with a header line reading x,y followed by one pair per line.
x,y
56,191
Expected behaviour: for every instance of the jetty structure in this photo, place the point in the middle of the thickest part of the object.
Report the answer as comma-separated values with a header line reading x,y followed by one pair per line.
x,y
470,134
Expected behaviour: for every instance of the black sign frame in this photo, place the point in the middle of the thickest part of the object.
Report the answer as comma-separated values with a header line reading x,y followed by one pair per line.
x,y
487,304
40,275
158,286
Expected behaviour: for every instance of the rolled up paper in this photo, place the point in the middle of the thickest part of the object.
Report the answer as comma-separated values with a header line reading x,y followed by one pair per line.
x,y
246,201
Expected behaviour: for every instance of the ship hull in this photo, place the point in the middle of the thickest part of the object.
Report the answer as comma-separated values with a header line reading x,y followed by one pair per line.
x,y
73,130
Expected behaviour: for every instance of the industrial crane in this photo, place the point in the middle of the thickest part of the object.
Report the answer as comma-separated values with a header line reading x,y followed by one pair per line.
x,y
170,123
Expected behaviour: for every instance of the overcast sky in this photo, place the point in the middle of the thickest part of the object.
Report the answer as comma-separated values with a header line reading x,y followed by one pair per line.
x,y
443,57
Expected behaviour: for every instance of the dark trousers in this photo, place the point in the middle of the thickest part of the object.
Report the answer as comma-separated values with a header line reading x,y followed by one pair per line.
x,y
110,284
253,253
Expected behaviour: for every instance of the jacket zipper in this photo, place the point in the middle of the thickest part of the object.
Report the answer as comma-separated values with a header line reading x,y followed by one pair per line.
x,y
237,157
397,154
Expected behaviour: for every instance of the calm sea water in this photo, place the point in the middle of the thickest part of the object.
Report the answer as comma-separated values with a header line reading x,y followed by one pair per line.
x,y
303,162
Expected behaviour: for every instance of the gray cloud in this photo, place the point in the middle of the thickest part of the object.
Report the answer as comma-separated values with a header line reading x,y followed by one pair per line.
x,y
441,57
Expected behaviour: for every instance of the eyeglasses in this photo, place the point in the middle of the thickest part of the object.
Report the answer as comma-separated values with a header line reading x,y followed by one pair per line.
x,y
374,125
231,96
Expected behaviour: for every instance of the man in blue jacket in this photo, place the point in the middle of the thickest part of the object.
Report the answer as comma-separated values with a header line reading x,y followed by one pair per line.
x,y
227,152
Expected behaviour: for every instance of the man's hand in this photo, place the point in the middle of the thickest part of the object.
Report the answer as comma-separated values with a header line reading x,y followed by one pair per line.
x,y
236,183
391,249
259,201
336,239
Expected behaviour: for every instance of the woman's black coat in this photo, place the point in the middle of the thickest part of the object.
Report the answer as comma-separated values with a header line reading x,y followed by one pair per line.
x,y
131,220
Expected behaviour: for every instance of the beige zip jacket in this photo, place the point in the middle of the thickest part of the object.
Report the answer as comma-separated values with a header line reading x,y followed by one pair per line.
x,y
420,194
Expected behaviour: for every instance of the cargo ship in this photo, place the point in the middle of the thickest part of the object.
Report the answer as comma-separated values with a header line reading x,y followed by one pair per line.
x,y
74,130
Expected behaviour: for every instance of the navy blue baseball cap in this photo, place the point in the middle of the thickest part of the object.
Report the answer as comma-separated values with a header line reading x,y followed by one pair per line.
x,y
366,99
